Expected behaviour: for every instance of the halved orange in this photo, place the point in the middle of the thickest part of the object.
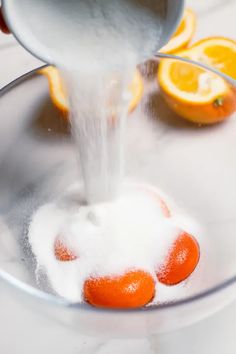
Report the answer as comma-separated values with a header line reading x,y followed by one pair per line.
x,y
197,94
183,35
218,52
59,97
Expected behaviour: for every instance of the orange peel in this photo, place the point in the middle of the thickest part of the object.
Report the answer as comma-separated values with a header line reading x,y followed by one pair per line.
x,y
58,93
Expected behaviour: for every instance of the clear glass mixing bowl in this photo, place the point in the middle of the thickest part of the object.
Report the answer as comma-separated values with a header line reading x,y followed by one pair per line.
x,y
195,165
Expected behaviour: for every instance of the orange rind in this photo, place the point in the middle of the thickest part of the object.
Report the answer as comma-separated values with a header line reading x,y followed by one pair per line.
x,y
59,97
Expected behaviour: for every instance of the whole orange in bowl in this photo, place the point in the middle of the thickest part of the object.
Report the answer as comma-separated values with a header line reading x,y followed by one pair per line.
x,y
134,289
181,260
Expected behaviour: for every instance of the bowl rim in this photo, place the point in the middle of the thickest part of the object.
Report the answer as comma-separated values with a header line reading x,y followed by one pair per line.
x,y
59,301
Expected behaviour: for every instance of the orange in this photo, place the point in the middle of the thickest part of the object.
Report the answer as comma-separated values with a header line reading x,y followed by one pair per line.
x,y
183,35
181,261
218,52
134,289
59,97
197,94
62,252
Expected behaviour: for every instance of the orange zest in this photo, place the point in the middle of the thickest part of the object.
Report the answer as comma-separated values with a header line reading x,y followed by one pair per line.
x,y
132,290
62,252
197,94
58,93
181,261
183,35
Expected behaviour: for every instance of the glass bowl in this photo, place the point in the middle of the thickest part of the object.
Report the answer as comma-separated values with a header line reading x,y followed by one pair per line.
x,y
192,163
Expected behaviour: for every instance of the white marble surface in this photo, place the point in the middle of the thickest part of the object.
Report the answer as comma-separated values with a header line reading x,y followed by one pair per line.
x,y
215,335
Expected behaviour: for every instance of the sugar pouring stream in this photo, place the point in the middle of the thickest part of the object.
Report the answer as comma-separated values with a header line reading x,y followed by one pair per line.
x,y
98,44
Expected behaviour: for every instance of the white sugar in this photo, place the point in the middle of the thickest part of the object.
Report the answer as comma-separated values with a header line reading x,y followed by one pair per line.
x,y
109,238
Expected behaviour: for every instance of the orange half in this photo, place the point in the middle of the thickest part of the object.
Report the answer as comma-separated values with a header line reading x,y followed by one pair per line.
x,y
183,35
188,83
197,94
217,52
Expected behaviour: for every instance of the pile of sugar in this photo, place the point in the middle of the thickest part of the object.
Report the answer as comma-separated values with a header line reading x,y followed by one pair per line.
x,y
109,238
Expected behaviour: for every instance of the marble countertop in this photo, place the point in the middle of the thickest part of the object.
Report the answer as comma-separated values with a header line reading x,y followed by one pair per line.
x,y
216,335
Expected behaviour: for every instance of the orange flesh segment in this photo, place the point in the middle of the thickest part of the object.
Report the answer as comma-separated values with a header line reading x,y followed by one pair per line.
x,y
190,84
181,261
184,81
217,52
223,59
132,290
189,77
62,252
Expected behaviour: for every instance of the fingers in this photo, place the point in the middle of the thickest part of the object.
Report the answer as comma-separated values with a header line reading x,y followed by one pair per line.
x,y
3,26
